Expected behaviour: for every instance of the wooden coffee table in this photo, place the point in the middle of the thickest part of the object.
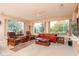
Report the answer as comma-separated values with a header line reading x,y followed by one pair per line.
x,y
44,43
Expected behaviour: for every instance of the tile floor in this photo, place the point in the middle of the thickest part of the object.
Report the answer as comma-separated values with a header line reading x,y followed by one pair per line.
x,y
37,50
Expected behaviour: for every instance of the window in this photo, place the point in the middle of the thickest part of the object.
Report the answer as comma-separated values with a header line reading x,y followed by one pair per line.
x,y
38,28
15,26
59,27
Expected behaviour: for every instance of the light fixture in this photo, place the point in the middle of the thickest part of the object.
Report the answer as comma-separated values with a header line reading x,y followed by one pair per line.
x,y
61,5
0,21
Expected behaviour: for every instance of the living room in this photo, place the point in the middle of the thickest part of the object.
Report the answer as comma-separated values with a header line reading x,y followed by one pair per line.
x,y
32,22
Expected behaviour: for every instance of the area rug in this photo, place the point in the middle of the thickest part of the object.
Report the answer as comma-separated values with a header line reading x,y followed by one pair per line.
x,y
21,46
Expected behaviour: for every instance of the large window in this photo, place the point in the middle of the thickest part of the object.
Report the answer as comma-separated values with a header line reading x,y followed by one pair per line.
x,y
38,28
59,27
15,26
75,27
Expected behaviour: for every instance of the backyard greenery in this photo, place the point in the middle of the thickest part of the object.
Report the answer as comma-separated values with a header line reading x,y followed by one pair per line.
x,y
60,27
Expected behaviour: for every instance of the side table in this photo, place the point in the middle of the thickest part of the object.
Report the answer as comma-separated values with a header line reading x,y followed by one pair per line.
x,y
60,40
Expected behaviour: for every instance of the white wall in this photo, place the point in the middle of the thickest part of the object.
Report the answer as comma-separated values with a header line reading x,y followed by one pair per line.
x,y
2,26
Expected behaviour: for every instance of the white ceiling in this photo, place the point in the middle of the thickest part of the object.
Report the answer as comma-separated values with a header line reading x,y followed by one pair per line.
x,y
33,11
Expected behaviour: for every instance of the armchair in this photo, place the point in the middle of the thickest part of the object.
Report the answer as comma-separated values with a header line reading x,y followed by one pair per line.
x,y
12,39
29,36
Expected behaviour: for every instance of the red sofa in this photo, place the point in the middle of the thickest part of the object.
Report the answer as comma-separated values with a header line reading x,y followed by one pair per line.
x,y
52,38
